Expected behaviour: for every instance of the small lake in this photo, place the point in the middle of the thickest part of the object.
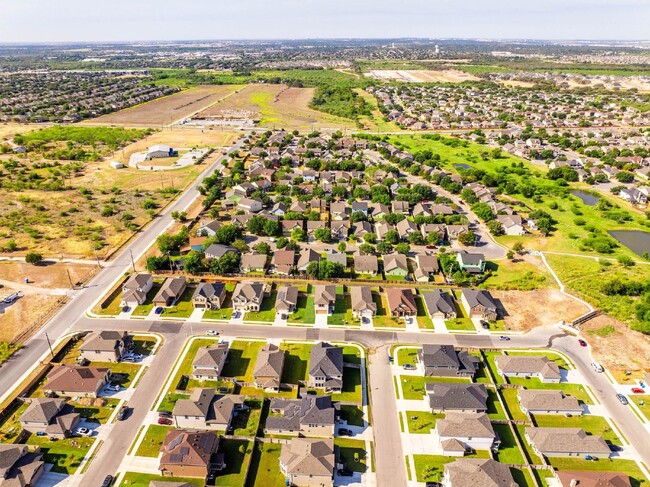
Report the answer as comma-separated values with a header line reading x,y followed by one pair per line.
x,y
463,166
587,198
635,240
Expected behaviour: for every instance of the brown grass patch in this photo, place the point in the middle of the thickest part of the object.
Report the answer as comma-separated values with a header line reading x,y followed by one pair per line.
x,y
422,76
24,313
51,276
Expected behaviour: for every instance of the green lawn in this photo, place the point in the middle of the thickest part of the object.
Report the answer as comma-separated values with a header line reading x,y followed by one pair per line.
x,y
530,453
522,477
186,365
143,345
296,360
489,358
595,425
240,362
341,306
65,455
223,313
184,307
246,422
265,466
123,373
495,409
97,414
153,440
134,479
351,354
508,452
407,355
422,422
350,449
512,403
266,312
170,399
628,467
351,386
353,415
381,318
113,308
237,456
145,308
429,468
423,318
11,427
413,386
576,390
305,313
460,324
645,408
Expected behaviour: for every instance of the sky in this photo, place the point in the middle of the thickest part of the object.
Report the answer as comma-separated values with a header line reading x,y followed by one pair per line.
x,y
132,20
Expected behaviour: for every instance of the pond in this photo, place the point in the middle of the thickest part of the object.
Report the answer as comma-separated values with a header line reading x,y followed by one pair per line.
x,y
463,166
635,240
587,198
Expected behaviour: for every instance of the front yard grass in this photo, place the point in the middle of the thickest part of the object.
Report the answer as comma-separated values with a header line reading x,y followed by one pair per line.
x,y
512,403
407,355
628,467
136,479
522,477
170,399
237,457
240,361
296,360
460,324
382,318
413,386
429,468
143,345
183,307
508,452
595,425
423,318
97,414
341,306
186,365
223,313
265,466
351,386
305,314
645,408
65,455
352,415
153,440
422,422
348,448
145,308
122,373
266,312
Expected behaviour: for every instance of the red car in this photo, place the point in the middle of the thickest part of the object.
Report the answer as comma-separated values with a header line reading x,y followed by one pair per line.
x,y
582,343
431,246
165,421
638,390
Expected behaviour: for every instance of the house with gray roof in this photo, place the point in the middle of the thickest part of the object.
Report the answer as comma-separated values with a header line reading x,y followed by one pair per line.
x,y
538,366
135,289
206,410
445,361
567,442
216,251
548,402
473,263
269,364
19,466
248,296
209,295
440,305
49,416
326,367
473,430
426,268
170,292
362,303
452,396
324,298
474,472
366,264
340,258
309,416
105,346
479,304
209,361
286,299
308,462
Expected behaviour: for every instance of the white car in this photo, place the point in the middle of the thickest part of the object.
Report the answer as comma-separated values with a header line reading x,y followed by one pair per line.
x,y
114,387
213,332
84,432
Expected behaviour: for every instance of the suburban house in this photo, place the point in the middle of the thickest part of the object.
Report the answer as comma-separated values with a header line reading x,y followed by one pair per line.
x,y
105,346
451,396
445,361
548,402
306,257
400,207
326,367
188,453
208,229
568,478
76,381
205,410
286,299
471,262
440,305
324,298
20,466
395,265
473,430
269,364
49,416
250,205
405,228
170,292
309,416
528,366
283,261
308,462
479,304
253,262
216,251
340,229
475,472
427,267
362,303
209,295
135,289
567,442
339,210
401,302
366,264
209,361
453,231
337,258
512,224
248,296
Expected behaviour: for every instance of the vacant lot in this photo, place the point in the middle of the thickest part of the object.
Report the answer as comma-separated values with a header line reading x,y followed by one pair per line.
x,y
51,276
276,105
169,109
24,312
422,76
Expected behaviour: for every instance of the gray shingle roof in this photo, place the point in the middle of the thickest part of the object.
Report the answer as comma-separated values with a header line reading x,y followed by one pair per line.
x,y
450,396
325,360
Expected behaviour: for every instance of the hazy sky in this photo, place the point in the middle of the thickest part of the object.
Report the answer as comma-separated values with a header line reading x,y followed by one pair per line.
x,y
113,20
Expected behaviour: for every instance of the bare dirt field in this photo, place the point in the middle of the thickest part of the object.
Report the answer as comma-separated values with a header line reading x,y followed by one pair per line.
x,y
615,346
50,276
168,109
8,130
516,84
276,105
422,76
25,313
552,307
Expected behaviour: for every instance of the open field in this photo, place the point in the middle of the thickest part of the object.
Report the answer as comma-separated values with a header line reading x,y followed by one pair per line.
x,y
168,109
8,130
24,312
51,276
276,105
422,76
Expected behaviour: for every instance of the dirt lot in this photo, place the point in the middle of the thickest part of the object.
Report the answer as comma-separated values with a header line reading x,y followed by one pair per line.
x,y
24,313
422,76
553,307
517,84
168,109
615,345
50,276
8,130
276,105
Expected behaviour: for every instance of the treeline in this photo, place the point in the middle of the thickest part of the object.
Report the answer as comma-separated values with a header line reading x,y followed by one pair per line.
x,y
113,138
340,101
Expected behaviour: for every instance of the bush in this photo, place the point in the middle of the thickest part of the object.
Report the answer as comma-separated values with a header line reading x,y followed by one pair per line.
x,y
33,258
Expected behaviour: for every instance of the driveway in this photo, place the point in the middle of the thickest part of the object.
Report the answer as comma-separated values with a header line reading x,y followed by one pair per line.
x,y
52,479
321,320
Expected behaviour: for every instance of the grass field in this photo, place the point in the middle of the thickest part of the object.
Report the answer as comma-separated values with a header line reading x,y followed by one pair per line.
x,y
153,440
341,308
422,422
265,466
65,455
240,362
266,312
135,479
350,449
304,313
512,403
237,457
351,386
413,386
429,468
508,452
353,415
296,361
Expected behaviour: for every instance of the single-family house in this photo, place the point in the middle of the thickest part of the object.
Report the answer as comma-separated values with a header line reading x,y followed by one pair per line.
x,y
135,289
208,229
405,228
209,361
209,295
427,267
538,366
250,205
21,466
248,296
308,462
188,453
269,364
362,303
401,302
306,257
170,292
366,264
283,261
473,430
326,367
479,304
312,415
402,207
471,262
216,251
286,299
446,361
452,396
206,410
105,346
50,417
76,380
512,224
567,442
440,305
548,402
475,472
587,478
324,299
395,265
253,262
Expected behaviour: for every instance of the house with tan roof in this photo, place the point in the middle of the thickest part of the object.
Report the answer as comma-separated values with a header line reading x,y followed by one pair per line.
x,y
187,453
460,397
269,365
324,298
528,366
253,262
362,303
567,442
366,264
473,430
308,462
206,410
568,478
475,472
49,416
19,466
548,402
105,346
248,296
76,380
283,261
286,299
326,367
306,257
395,265
479,304
401,302
209,361
310,415
426,268
170,292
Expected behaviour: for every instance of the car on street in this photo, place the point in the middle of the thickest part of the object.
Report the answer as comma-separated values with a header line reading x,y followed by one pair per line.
x,y
345,432
622,399
83,432
638,390
213,332
108,480
431,246
158,310
390,359
126,309
582,343
408,367
165,421
128,359
504,338
597,367
123,413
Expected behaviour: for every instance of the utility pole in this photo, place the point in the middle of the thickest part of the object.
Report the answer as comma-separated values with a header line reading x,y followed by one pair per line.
x,y
132,261
49,344
69,279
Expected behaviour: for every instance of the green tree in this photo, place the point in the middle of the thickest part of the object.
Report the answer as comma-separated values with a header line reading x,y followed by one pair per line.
x,y
342,247
193,262
403,248
467,238
323,235
33,258
263,248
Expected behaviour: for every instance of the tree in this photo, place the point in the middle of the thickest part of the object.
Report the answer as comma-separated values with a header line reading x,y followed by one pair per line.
x,y
468,196
467,238
227,264
625,261
11,245
342,247
433,238
241,245
370,238
416,238
312,269
384,248
403,248
299,235
256,225
272,228
193,262
179,216
545,226
282,242
367,248
323,234
330,270
392,237
495,228
156,263
227,234
510,255
518,247
263,248
483,211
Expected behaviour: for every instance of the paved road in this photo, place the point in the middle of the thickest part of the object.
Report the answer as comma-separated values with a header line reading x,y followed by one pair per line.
x,y
24,360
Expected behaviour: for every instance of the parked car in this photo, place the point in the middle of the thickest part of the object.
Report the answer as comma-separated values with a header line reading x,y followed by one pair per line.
x,y
638,390
128,359
431,246
344,472
390,359
213,332
165,421
485,324
123,413
158,310
345,432
597,367
126,309
622,399
113,387
582,343
504,338
83,432
107,481
408,367
164,414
